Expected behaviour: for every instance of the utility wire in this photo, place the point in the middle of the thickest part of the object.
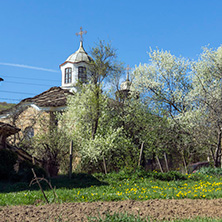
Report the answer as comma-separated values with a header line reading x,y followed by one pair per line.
x,y
16,77
25,83
17,92
11,99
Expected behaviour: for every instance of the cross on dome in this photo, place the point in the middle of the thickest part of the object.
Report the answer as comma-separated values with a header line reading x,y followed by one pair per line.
x,y
81,33
127,72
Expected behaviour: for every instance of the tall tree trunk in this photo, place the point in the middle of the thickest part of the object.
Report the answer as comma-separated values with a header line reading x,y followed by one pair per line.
x,y
158,161
212,154
184,162
97,113
165,157
141,152
104,165
218,151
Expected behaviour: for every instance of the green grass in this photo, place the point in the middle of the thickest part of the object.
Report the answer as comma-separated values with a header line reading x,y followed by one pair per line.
x,y
125,217
120,217
136,185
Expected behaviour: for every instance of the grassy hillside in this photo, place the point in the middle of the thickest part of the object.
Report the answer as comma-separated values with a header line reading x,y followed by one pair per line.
x,y
5,105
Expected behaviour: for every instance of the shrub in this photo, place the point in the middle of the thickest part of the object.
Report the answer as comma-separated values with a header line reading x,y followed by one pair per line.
x,y
210,171
139,173
172,175
118,217
25,173
7,161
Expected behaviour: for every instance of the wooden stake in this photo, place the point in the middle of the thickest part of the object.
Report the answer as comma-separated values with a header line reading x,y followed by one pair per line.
x,y
141,152
165,157
39,185
104,164
158,161
70,159
184,163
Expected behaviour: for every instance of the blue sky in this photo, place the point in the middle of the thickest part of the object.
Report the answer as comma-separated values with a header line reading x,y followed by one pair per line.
x,y
41,33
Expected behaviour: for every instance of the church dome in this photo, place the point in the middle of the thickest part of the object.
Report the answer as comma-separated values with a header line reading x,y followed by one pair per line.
x,y
126,84
79,56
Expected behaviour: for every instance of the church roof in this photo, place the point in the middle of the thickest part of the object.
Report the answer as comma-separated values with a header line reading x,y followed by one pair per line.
x,y
79,56
54,97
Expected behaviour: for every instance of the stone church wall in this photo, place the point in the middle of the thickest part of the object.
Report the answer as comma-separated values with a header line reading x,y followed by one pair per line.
x,y
29,120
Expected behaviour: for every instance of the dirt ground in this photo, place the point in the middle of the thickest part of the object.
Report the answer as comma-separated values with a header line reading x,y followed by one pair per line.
x,y
155,209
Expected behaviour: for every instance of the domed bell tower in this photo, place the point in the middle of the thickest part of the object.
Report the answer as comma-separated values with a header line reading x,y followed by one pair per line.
x,y
76,67
124,91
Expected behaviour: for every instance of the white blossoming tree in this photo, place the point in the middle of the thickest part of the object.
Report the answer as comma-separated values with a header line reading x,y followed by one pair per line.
x,y
108,141
206,99
164,85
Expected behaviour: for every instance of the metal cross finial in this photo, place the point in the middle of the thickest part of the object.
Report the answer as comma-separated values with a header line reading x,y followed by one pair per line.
x,y
127,74
81,33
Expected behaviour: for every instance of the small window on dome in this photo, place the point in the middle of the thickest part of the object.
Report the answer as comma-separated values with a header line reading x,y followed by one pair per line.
x,y
68,75
82,77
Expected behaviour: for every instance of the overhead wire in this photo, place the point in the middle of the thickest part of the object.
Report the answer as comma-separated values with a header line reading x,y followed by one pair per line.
x,y
16,77
17,92
23,83
35,84
10,99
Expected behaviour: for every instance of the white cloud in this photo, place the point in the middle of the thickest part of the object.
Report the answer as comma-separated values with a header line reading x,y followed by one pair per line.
x,y
27,67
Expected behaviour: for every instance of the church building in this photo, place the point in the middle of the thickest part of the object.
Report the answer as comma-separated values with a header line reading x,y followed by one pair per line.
x,y
74,70
26,113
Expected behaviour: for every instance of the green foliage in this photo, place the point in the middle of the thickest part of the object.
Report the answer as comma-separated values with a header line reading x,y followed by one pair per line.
x,y
138,185
4,105
104,64
7,161
108,142
25,173
210,171
134,174
169,176
188,95
117,217
51,144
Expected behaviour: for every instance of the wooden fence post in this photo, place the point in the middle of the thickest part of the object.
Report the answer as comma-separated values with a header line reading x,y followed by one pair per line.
x,y
70,159
104,164
39,185
165,157
141,152
158,161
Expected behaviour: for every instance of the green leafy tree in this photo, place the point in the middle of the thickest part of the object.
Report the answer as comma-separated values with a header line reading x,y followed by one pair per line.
x,y
205,97
103,67
51,145
164,85
109,140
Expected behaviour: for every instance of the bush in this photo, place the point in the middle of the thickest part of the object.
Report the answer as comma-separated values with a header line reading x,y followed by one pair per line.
x,y
25,173
139,173
210,171
7,161
172,175
118,217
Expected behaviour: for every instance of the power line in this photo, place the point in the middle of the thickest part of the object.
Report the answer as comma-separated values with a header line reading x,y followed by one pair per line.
x,y
11,99
16,77
25,83
17,92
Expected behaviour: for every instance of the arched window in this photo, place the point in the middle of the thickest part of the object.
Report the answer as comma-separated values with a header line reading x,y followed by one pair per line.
x,y
82,77
68,75
28,132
